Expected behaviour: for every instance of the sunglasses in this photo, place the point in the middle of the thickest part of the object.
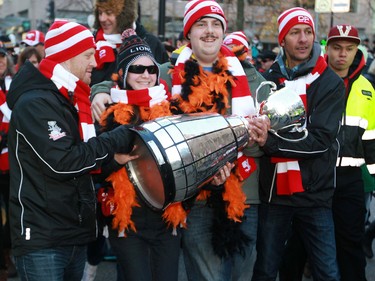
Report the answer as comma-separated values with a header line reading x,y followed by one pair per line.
x,y
139,69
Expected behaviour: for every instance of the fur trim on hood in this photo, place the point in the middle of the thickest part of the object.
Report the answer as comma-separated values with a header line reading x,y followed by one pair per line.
x,y
126,12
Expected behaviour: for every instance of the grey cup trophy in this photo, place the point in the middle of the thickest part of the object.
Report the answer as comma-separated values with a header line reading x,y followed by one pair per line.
x,y
178,154
285,110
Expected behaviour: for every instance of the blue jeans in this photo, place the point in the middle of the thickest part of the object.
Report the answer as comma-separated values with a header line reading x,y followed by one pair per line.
x,y
317,232
55,264
200,260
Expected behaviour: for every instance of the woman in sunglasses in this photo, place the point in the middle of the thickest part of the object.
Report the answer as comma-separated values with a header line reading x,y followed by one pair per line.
x,y
146,247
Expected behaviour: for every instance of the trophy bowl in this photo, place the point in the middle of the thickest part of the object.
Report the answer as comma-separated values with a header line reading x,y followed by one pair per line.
x,y
285,110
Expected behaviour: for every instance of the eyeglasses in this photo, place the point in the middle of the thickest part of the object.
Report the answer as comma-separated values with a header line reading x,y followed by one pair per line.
x,y
139,69
266,60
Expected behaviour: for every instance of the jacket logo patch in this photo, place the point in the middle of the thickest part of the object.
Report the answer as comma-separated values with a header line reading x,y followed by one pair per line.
x,y
367,93
55,131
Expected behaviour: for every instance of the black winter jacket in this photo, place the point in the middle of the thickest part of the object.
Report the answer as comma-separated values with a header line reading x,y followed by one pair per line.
x,y
317,153
52,198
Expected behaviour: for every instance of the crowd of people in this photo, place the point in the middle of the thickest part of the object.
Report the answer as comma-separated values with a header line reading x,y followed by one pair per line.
x,y
300,195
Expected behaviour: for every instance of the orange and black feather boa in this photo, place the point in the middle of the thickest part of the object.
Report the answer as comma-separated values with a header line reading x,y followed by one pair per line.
x,y
208,92
125,198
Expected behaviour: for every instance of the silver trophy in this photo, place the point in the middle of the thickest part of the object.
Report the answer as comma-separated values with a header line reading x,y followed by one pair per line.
x,y
285,110
178,154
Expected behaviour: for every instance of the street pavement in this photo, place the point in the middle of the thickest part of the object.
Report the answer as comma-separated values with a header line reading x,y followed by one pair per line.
x,y
107,269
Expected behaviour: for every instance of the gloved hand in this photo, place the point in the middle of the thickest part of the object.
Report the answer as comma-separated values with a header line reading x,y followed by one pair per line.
x,y
122,139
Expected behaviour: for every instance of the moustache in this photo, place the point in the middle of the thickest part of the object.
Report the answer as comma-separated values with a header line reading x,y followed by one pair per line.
x,y
210,37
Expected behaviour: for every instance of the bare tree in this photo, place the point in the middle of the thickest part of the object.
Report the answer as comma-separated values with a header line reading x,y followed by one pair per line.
x,y
240,14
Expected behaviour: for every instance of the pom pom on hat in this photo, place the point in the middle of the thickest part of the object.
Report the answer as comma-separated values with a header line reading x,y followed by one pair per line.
x,y
196,9
131,49
237,38
292,17
33,38
343,32
65,40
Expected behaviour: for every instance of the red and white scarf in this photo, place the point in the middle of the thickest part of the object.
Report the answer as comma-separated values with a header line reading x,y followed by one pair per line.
x,y
105,46
5,114
242,101
75,91
288,174
145,97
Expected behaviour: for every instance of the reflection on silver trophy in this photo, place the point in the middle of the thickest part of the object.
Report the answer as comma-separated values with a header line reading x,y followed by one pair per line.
x,y
285,110
179,154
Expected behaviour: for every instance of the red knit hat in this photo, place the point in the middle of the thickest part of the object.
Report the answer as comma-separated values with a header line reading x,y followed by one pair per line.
x,y
237,38
292,17
344,32
196,9
33,38
65,40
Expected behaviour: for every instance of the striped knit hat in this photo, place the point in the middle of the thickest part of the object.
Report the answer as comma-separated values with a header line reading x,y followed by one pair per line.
x,y
292,17
132,48
65,40
237,38
196,9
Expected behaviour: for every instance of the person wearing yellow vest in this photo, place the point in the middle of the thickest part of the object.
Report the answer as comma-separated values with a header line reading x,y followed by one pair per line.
x,y
357,147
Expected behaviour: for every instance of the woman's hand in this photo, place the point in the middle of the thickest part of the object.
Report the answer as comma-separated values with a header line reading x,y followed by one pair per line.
x,y
98,104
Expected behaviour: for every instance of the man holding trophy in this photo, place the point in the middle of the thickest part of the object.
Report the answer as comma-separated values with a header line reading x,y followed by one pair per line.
x,y
207,77
297,177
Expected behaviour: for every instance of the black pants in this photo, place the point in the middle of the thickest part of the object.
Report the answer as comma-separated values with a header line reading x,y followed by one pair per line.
x,y
349,213
151,253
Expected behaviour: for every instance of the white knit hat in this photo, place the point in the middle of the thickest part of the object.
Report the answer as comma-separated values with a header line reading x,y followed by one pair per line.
x,y
65,40
237,38
196,9
292,17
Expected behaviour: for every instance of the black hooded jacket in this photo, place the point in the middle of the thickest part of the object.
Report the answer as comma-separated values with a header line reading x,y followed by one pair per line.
x,y
52,198
157,47
317,153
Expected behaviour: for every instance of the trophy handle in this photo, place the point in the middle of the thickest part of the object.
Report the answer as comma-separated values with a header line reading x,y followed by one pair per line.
x,y
261,85
291,140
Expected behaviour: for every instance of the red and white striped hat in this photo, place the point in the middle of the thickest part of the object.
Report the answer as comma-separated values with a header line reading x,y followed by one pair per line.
x,y
65,40
33,38
196,9
237,38
292,17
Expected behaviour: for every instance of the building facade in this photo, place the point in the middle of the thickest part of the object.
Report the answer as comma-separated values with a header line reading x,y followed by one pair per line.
x,y
16,16
259,17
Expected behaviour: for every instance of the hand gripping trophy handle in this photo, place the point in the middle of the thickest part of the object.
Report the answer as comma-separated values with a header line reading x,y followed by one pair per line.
x,y
285,110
